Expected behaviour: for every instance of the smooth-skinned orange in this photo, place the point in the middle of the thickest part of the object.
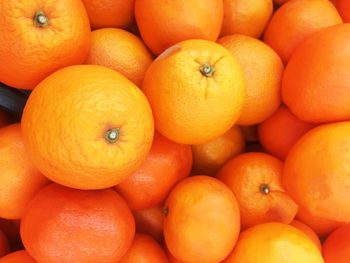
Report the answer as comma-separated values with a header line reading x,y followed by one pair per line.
x,y
21,256
201,221
309,232
336,248
196,90
39,37
87,127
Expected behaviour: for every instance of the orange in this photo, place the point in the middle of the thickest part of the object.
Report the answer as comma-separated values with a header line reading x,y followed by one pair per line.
x,y
20,180
336,248
5,118
68,225
292,23
38,37
255,179
165,23
150,221
322,226
343,7
146,250
110,13
17,257
247,17
166,163
263,70
196,90
315,83
309,232
4,244
281,131
11,231
87,127
201,220
274,243
208,158
315,173
120,50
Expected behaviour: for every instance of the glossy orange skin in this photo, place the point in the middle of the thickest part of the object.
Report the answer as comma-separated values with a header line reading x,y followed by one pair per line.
x,y
343,7
150,221
166,163
316,171
67,116
208,158
165,23
120,50
202,221
5,118
201,108
21,256
33,52
247,17
146,250
20,180
263,70
77,226
110,13
281,131
315,83
336,248
274,243
4,244
309,232
244,175
295,21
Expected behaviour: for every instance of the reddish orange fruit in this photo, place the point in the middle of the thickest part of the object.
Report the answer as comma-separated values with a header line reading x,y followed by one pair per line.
x,y
39,37
309,232
68,225
256,181
274,243
343,7
201,220
146,250
165,23
336,248
208,158
18,257
120,50
281,131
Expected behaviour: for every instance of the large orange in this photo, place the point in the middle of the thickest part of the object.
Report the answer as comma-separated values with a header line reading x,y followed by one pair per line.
x,y
120,50
343,7
316,171
150,221
20,180
292,23
263,70
87,127
38,37
309,232
247,17
110,13
17,257
274,243
167,163
281,131
165,23
315,84
336,248
146,250
196,90
68,225
209,157
4,244
256,181
201,220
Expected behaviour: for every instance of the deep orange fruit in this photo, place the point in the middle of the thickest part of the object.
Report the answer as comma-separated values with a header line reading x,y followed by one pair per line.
x,y
343,7
336,248
17,257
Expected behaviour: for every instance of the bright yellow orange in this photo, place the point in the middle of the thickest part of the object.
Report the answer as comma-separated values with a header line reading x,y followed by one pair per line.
x,y
309,232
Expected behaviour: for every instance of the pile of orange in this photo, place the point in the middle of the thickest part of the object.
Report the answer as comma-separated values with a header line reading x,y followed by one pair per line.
x,y
197,131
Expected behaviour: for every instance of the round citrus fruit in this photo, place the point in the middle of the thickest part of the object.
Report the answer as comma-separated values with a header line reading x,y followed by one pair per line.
x,y
262,70
196,90
120,50
201,220
309,232
38,37
87,127
336,248
17,257
69,225
20,180
256,181
165,23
